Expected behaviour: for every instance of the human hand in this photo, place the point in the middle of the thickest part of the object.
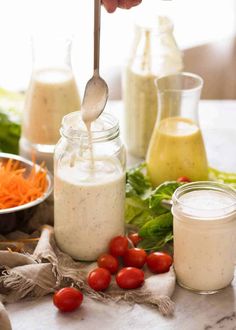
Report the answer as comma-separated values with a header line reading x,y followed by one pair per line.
x,y
111,5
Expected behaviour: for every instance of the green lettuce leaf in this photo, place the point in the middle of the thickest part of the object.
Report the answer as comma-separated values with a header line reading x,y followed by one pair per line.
x,y
224,177
137,183
156,244
157,225
134,206
11,104
144,210
9,135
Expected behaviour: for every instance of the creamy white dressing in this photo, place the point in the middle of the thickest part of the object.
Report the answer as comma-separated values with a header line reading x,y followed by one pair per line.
x,y
207,204
89,206
155,54
204,237
51,95
89,192
95,98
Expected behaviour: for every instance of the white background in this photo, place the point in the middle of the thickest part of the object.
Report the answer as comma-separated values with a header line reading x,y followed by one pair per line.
x,y
195,21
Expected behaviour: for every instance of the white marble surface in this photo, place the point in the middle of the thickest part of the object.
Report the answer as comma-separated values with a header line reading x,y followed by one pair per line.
x,y
193,312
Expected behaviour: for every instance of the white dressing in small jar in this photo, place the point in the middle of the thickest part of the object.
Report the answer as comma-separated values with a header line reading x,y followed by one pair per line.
x,y
204,236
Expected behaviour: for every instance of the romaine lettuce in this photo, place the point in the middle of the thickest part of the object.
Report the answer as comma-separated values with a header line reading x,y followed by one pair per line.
x,y
10,120
144,209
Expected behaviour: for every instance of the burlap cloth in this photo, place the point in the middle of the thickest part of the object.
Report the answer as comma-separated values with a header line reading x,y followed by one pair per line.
x,y
40,270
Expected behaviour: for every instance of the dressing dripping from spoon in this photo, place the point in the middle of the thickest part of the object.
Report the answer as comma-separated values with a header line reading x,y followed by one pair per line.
x,y
96,90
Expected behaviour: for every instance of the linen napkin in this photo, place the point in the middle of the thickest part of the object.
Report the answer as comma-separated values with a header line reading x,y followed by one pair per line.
x,y
46,269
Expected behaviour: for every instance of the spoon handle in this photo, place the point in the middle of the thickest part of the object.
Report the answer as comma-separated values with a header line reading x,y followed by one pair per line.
x,y
97,16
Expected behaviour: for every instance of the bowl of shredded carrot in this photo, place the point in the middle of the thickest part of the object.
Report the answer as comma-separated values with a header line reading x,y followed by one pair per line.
x,y
23,186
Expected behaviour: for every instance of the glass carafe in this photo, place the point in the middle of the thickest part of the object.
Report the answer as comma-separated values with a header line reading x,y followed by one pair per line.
x,y
176,147
154,54
52,93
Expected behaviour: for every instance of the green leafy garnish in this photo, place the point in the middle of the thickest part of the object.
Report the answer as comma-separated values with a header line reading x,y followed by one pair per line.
x,y
9,135
145,210
156,225
163,192
137,183
10,119
156,243
224,177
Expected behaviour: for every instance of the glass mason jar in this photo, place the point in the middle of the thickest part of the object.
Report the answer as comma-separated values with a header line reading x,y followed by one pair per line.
x,y
177,148
204,235
89,192
52,93
154,54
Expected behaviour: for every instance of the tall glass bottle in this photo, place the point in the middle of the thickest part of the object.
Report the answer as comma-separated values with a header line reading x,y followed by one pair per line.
x,y
154,54
52,93
176,147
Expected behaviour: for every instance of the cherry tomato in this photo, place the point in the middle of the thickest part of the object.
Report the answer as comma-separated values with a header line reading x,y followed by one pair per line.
x,y
108,262
67,299
183,179
130,278
135,258
118,246
159,262
135,238
99,279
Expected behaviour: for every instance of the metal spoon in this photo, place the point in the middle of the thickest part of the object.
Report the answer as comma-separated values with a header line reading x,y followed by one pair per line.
x,y
96,90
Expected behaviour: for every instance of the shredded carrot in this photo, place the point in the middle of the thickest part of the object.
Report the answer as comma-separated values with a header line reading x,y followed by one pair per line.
x,y
17,188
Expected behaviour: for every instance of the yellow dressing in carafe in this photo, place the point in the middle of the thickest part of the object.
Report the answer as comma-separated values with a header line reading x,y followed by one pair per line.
x,y
176,149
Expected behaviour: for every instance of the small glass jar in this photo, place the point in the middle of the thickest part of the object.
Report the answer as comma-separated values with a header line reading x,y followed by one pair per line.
x,y
154,54
89,192
204,236
52,93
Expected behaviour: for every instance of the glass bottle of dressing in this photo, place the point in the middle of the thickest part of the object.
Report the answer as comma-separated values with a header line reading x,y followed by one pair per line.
x,y
176,147
89,194
154,54
52,93
204,236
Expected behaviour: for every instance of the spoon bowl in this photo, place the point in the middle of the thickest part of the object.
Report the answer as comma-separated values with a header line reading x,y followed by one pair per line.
x,y
96,90
95,98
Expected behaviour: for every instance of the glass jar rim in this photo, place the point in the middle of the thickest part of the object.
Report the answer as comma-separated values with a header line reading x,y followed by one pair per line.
x,y
71,131
181,88
205,185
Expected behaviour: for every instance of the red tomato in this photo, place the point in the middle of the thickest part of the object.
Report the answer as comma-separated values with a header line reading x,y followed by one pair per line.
x,y
118,246
135,258
130,278
67,299
99,279
135,238
159,262
183,179
108,262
